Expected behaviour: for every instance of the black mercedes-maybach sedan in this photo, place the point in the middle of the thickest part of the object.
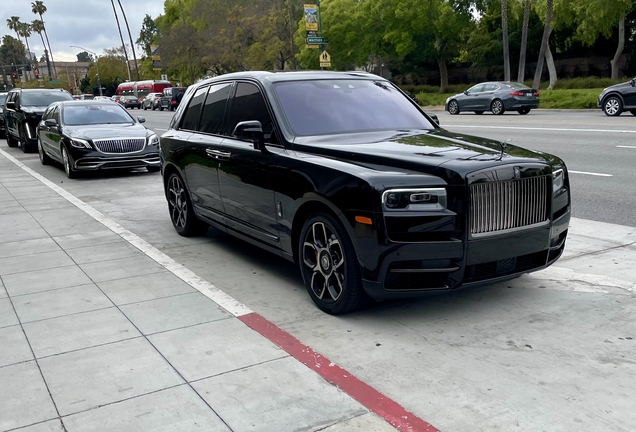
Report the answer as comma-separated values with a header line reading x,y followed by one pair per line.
x,y
344,174
91,135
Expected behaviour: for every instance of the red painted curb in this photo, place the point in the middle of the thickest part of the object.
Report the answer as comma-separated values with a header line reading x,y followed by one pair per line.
x,y
383,406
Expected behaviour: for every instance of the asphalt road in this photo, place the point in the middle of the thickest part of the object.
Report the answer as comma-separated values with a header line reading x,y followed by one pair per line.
x,y
541,352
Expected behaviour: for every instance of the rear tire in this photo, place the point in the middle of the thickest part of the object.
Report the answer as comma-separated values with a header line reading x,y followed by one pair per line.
x,y
329,266
181,211
524,111
497,107
613,106
11,142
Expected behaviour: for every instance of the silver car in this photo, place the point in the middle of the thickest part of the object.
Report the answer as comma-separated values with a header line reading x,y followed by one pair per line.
x,y
496,97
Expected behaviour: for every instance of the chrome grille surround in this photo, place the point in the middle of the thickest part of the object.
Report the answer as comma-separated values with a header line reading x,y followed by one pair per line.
x,y
120,145
498,207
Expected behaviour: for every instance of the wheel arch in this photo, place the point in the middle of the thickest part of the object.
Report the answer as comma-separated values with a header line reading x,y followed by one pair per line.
x,y
168,170
610,94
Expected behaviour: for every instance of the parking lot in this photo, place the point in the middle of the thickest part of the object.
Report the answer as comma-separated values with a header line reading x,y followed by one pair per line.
x,y
549,351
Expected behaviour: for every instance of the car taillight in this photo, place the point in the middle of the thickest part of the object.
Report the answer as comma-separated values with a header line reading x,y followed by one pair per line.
x,y
536,94
517,93
174,102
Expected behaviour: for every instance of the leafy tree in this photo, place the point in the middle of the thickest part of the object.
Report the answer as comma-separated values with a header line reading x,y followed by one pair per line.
x,y
112,68
85,56
12,51
148,35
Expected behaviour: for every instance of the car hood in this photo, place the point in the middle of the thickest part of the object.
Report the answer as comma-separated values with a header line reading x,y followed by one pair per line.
x,y
107,131
618,86
438,152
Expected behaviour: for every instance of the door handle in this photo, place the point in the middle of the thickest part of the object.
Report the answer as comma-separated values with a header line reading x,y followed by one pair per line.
x,y
218,154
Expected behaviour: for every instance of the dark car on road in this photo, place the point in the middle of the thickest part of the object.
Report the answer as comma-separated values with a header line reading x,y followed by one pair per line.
x,y
347,176
23,110
3,97
496,97
130,102
170,98
618,98
94,135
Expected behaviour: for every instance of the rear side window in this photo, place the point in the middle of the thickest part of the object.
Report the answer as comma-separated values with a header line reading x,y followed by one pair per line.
x,y
193,112
214,109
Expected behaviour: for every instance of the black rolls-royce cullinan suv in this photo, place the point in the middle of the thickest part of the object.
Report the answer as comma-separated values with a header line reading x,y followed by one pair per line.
x,y
92,135
344,174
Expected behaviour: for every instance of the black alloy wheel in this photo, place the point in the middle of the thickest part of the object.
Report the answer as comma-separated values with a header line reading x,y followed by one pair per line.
x,y
68,164
524,111
453,107
613,106
182,215
329,266
44,158
497,107
479,112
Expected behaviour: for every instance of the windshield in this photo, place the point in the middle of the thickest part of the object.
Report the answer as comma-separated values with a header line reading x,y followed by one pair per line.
x,y
518,86
345,106
95,114
43,98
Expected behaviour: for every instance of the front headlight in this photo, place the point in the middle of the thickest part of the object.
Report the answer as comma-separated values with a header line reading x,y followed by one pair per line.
x,y
80,143
558,180
153,140
433,199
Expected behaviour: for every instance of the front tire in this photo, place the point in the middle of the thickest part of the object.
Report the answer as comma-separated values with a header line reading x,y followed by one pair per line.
x,y
329,266
11,142
44,158
67,161
160,108
453,107
613,106
497,107
182,215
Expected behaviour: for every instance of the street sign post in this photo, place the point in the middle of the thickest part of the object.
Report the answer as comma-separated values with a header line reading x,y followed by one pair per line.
x,y
325,59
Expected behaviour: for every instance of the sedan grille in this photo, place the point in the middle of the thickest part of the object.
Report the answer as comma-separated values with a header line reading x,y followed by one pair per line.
x,y
120,145
506,205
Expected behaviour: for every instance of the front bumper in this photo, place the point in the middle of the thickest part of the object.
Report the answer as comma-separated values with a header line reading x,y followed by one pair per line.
x,y
96,161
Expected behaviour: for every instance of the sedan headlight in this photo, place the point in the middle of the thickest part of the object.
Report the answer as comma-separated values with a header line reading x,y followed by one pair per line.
x,y
433,199
80,143
153,140
558,180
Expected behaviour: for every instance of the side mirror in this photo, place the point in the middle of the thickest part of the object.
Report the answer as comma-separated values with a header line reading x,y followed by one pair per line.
x,y
466,92
50,122
251,131
434,118
11,105
141,119
633,82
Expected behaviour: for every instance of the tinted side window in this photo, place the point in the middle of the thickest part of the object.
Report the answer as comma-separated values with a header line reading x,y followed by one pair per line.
x,y
47,113
214,109
476,89
249,104
56,115
193,112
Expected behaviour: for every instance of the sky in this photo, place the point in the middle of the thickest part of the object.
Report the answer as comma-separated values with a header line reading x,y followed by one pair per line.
x,y
87,23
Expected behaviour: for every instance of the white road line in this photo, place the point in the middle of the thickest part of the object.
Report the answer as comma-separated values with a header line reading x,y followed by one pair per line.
x,y
634,147
590,173
228,303
541,129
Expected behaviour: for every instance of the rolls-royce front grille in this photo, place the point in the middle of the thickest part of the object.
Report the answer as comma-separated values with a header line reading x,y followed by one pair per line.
x,y
506,205
120,145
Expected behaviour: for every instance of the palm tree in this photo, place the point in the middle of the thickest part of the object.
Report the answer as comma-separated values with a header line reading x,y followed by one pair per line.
x,y
132,45
506,46
123,45
14,24
547,29
521,75
38,8
38,27
25,30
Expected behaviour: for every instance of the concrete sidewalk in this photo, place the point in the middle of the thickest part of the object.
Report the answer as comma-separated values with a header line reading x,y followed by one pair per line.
x,y
96,336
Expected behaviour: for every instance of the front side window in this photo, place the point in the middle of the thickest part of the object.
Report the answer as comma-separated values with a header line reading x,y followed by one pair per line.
x,y
323,107
214,109
43,98
248,104
476,89
193,112
56,114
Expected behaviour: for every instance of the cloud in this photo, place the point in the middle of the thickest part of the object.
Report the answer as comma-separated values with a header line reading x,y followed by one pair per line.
x,y
86,23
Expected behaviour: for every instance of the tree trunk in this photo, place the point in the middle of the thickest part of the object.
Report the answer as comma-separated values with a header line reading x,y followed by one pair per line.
x,y
49,45
619,49
443,75
551,68
521,75
123,45
46,55
506,46
29,62
132,44
547,29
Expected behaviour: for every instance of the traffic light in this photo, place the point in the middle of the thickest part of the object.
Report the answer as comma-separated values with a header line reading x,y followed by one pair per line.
x,y
70,88
15,74
37,74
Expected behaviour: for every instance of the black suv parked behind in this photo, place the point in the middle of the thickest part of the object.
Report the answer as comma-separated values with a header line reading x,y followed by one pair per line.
x,y
618,98
23,111
3,97
170,98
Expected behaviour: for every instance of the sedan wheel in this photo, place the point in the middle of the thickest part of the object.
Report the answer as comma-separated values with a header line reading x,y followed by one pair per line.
x,y
453,107
479,112
613,107
68,164
496,107
184,220
44,158
524,111
329,266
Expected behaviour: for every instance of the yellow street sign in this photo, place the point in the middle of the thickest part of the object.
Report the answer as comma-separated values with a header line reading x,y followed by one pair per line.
x,y
313,46
325,59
